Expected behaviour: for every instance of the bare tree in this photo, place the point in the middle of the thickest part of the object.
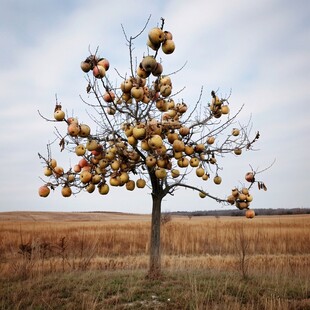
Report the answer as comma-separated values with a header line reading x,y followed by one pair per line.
x,y
143,137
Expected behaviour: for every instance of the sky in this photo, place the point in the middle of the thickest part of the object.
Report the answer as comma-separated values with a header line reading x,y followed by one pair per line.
x,y
258,50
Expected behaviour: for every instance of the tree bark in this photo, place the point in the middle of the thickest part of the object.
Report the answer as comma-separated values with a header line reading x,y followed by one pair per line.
x,y
155,250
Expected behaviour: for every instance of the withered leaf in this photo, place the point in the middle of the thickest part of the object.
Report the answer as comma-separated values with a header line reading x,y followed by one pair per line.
x,y
57,107
62,144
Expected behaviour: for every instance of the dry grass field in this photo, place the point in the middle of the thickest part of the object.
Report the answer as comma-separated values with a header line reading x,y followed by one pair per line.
x,y
99,261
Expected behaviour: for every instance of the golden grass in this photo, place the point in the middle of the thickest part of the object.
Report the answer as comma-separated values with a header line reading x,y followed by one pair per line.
x,y
99,261
269,244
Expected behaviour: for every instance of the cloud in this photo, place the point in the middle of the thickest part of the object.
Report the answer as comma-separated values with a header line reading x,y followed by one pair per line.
x,y
259,50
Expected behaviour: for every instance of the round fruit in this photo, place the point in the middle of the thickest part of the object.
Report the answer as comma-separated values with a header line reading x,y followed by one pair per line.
x,y
59,115
245,191
58,171
210,140
155,141
205,177
237,151
235,132
73,129
150,161
249,176
44,191
178,146
149,63
249,198
178,155
200,172
137,92
130,185
124,177
99,72
115,181
168,35
158,70
86,66
139,133
156,36
96,178
92,145
199,148
142,74
66,191
132,140
175,173
48,171
249,214
127,86
71,177
140,183
80,150
217,180
145,145
231,199
194,162
109,96
104,189
162,105
84,130
189,150
115,164
235,192
53,163
202,195
153,46
183,130
225,109
72,120
104,63
165,90
83,163
172,136
242,197
160,173
85,176
77,168
242,205
168,47
183,162
90,187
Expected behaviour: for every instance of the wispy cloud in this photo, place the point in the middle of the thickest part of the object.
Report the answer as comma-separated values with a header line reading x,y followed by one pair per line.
x,y
260,50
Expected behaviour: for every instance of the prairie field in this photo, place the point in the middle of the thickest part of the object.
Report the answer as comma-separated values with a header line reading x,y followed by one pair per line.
x,y
100,260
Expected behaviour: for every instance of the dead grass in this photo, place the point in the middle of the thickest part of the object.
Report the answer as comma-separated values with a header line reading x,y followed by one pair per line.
x,y
270,253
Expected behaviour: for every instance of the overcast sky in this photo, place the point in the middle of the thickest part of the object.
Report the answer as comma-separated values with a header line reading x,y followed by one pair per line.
x,y
259,49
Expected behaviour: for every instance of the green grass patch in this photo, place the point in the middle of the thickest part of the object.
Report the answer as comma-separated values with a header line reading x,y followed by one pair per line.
x,y
175,290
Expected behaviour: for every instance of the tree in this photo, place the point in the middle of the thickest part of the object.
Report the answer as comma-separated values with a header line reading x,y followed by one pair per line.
x,y
143,137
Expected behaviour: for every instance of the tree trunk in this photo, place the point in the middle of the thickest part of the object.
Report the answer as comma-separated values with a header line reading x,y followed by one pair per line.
x,y
155,257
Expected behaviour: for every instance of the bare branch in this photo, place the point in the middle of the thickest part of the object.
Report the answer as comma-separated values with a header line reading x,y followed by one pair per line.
x,y
169,188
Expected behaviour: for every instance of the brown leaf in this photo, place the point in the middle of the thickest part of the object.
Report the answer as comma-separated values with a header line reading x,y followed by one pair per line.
x,y
62,144
57,107
264,187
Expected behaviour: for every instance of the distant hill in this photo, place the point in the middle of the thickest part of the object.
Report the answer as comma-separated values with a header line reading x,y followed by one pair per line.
x,y
34,216
235,212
